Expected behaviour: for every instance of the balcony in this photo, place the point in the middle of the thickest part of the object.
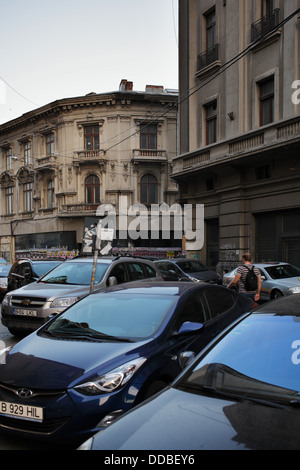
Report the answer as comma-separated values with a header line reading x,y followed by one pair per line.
x,y
46,163
88,156
264,25
149,155
209,60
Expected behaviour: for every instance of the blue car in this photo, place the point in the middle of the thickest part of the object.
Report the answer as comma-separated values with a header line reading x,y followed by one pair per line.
x,y
107,353
241,393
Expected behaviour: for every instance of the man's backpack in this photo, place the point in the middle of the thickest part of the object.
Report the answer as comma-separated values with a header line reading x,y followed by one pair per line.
x,y
251,280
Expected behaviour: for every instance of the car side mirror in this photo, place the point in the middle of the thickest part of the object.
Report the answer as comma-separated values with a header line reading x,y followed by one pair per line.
x,y
190,327
112,281
186,358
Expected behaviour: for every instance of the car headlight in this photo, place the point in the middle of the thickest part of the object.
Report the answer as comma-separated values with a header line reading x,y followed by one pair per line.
x,y
294,290
7,299
3,285
114,379
63,302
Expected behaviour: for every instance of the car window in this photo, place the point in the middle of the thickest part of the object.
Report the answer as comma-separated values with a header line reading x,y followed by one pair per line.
x,y
44,267
79,273
150,271
219,300
120,273
192,310
192,266
136,271
283,271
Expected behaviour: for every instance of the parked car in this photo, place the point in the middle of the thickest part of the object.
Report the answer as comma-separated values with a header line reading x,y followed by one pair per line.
x,y
107,353
26,309
277,279
187,269
25,271
4,270
3,261
242,392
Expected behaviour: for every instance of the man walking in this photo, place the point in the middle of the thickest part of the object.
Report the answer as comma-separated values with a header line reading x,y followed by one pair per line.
x,y
248,278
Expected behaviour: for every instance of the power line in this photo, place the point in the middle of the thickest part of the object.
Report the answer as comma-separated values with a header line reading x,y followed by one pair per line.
x,y
16,91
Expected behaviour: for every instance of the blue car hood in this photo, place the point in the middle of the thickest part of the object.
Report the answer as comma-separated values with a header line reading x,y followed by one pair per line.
x,y
52,364
178,420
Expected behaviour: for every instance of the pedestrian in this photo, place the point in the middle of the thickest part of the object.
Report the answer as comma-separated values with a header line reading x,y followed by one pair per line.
x,y
248,279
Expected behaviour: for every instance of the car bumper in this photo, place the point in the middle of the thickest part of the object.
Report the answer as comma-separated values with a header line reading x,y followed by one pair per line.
x,y
68,415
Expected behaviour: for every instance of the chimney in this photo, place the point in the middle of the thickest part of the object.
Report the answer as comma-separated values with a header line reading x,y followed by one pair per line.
x,y
125,85
154,89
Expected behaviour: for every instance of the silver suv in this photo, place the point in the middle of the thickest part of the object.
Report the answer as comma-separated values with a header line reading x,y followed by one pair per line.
x,y
26,309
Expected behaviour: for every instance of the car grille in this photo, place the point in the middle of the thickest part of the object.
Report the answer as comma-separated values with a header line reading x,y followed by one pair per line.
x,y
31,302
46,427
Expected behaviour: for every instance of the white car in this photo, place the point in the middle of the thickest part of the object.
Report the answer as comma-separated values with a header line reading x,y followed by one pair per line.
x,y
277,279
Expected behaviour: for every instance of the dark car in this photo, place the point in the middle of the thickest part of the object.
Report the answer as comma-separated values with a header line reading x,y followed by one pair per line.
x,y
242,392
4,270
25,271
182,269
106,353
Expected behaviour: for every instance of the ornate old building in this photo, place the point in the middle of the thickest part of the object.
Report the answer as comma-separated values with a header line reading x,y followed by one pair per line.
x,y
59,162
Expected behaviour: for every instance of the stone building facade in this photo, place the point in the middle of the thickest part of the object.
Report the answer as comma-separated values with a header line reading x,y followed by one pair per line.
x,y
61,161
239,126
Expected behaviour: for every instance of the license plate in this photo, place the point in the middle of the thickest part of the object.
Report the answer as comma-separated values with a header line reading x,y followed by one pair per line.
x,y
30,413
21,311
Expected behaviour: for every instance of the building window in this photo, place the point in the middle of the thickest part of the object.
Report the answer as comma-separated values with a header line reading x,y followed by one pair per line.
x,y
8,159
267,7
50,194
27,152
148,136
210,25
50,144
92,190
266,98
91,137
211,122
9,191
149,189
27,194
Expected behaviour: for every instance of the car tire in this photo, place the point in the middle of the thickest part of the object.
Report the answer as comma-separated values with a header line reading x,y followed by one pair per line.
x,y
18,333
276,294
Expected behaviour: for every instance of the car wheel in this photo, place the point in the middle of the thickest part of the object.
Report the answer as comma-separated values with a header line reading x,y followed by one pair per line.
x,y
276,294
18,333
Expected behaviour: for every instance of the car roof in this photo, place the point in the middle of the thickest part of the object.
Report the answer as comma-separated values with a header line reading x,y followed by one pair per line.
x,y
286,305
175,288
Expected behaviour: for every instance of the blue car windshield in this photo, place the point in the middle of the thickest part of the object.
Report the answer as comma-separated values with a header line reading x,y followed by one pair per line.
x,y
78,273
260,356
114,315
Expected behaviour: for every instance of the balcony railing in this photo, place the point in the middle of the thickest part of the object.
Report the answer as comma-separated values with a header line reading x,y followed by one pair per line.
x,y
89,154
208,57
264,25
149,154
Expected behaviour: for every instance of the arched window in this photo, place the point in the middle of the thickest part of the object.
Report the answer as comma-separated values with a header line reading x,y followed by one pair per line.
x,y
92,190
148,189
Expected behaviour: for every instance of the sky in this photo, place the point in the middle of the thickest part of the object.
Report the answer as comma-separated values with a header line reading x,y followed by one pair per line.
x,y
68,48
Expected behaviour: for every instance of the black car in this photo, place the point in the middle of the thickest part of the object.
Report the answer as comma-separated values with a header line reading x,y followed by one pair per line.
x,y
24,271
242,392
4,270
184,269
